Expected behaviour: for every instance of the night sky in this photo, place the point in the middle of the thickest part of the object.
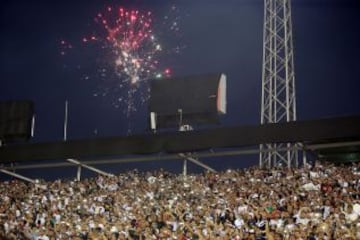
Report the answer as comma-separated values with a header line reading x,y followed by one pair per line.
x,y
219,36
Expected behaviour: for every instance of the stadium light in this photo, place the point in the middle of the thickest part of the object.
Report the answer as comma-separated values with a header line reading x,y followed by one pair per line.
x,y
16,121
194,100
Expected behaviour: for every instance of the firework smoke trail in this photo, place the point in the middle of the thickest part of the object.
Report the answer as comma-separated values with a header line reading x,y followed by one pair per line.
x,y
129,53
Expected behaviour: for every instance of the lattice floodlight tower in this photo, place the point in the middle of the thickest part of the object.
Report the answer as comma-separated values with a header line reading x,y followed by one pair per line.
x,y
278,103
182,103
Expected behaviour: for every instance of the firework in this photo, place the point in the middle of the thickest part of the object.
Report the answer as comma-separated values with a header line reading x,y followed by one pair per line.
x,y
129,53
134,46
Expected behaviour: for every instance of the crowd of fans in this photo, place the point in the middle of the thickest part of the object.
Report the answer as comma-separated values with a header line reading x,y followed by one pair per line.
x,y
315,202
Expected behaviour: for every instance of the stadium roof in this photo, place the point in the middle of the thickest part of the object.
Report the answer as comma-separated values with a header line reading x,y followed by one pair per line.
x,y
333,138
345,154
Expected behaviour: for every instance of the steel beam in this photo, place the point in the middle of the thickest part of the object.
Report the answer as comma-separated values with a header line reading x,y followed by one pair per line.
x,y
80,164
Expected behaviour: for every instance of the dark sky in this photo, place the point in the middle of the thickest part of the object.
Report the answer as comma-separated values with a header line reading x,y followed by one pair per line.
x,y
220,36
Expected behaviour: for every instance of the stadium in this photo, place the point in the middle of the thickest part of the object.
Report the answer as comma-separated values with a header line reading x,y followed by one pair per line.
x,y
163,155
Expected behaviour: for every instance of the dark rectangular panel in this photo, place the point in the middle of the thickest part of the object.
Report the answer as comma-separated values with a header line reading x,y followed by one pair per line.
x,y
196,96
15,120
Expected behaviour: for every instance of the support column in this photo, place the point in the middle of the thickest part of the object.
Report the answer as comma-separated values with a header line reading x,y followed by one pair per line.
x,y
78,174
185,168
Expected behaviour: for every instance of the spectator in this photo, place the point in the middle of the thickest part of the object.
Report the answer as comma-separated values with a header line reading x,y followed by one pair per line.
x,y
311,203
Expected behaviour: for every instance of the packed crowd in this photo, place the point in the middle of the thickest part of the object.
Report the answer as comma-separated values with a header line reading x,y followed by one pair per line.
x,y
315,202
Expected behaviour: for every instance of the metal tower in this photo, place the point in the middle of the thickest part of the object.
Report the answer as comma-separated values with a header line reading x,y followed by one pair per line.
x,y
278,102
